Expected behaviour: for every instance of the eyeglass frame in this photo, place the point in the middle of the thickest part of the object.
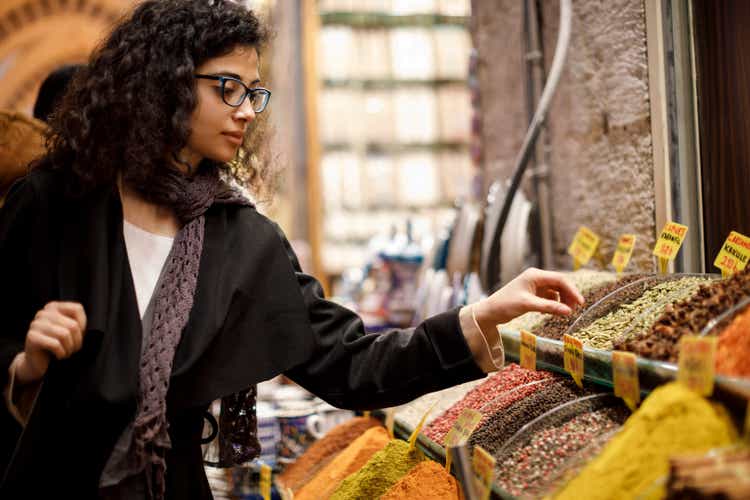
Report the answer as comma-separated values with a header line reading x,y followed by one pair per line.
x,y
248,91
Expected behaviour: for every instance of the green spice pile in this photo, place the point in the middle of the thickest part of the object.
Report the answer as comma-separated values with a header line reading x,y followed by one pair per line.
x,y
687,316
527,469
638,315
381,472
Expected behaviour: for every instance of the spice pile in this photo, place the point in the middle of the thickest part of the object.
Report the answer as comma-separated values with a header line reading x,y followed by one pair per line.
x,y
493,433
725,475
412,413
733,351
347,462
528,468
687,316
672,420
554,327
636,316
322,451
428,480
381,472
510,376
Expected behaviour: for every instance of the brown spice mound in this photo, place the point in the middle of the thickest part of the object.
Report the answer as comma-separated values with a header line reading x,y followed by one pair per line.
x,y
349,461
320,453
428,480
689,316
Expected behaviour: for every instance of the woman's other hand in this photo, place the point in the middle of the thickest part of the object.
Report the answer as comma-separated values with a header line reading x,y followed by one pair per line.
x,y
533,290
57,330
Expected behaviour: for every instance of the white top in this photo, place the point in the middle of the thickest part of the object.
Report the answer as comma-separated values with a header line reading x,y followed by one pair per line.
x,y
147,253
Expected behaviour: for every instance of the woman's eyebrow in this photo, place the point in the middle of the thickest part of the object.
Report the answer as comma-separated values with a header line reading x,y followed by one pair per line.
x,y
234,75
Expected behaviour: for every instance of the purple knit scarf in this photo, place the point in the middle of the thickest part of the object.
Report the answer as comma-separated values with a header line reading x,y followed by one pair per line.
x,y
144,444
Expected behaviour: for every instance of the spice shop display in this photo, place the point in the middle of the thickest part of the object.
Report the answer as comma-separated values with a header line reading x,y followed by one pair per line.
x,y
499,427
509,377
320,453
348,462
535,456
672,420
636,316
721,474
428,480
688,316
381,472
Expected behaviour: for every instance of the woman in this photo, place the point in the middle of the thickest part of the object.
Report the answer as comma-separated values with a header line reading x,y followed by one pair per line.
x,y
138,287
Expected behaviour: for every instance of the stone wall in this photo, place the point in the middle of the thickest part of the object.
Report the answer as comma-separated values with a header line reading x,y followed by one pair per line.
x,y
599,123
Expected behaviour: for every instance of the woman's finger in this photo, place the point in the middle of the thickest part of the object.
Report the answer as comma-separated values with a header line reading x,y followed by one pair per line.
x,y
41,341
569,294
547,306
56,331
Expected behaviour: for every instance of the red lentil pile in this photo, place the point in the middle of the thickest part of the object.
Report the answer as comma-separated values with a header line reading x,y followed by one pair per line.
x,y
509,377
733,351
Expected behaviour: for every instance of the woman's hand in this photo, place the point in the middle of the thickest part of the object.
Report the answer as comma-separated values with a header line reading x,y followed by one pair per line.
x,y
57,330
532,290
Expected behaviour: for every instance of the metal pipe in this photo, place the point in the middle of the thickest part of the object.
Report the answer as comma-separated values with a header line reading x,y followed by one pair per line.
x,y
540,116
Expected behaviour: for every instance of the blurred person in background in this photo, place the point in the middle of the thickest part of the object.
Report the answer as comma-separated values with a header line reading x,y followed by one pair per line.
x,y
139,285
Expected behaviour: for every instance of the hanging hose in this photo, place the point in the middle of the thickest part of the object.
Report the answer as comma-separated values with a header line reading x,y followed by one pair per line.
x,y
563,40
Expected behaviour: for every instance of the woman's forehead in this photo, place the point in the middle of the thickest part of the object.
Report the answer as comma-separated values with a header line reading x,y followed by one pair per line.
x,y
242,60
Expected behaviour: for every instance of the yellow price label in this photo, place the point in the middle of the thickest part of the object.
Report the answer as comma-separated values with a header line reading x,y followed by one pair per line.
x,y
670,240
528,350
625,378
734,254
418,428
584,246
462,428
623,252
573,358
695,368
265,481
483,465
390,417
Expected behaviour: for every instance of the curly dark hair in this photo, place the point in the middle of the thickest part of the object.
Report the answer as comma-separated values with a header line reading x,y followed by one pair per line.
x,y
130,107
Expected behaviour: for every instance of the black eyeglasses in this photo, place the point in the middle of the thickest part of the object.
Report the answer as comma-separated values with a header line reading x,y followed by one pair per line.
x,y
234,92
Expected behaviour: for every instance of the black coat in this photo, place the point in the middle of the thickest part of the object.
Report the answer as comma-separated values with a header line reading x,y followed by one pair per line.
x,y
255,315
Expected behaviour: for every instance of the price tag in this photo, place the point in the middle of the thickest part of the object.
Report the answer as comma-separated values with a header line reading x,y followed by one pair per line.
x,y
418,428
462,428
696,363
528,350
625,377
265,481
390,415
366,413
573,358
623,252
465,424
669,243
734,254
583,247
484,472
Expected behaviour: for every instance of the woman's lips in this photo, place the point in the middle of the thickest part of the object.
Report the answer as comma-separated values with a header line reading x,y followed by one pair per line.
x,y
234,138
